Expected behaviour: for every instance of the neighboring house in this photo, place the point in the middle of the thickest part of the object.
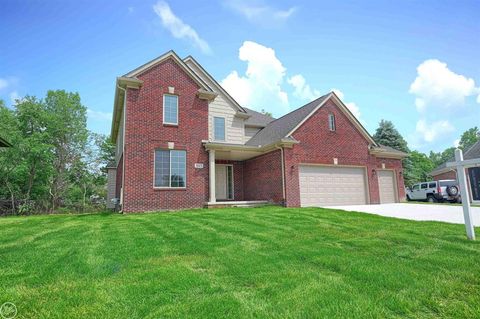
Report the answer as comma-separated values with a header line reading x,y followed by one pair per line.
x,y
183,142
473,173
4,143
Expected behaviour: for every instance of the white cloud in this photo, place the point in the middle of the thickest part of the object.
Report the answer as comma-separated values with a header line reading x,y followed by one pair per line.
x,y
302,89
178,28
259,12
430,132
353,107
436,85
98,115
260,87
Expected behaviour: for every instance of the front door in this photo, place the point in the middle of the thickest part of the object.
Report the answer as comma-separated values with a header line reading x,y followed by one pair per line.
x,y
223,181
474,175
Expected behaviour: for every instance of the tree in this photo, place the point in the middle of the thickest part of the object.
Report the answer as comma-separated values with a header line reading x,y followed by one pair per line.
x,y
468,138
68,134
387,134
417,168
266,113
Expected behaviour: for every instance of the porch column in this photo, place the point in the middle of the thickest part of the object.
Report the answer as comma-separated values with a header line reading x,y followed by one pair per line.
x,y
211,174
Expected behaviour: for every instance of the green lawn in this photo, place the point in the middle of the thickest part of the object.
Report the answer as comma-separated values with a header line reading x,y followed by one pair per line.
x,y
261,262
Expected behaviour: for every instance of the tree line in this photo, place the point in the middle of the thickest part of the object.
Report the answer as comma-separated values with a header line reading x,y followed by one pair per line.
x,y
417,166
56,164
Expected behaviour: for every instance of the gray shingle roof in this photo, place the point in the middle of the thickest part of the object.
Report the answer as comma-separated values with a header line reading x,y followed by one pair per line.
x,y
471,153
257,118
391,149
278,129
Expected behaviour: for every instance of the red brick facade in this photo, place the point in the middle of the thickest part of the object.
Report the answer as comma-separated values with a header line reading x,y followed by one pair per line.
x,y
262,178
319,145
145,132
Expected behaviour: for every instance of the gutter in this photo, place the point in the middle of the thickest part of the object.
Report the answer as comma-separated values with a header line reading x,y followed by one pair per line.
x,y
283,173
123,145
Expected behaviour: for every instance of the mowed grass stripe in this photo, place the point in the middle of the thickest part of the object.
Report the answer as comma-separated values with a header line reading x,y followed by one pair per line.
x,y
267,262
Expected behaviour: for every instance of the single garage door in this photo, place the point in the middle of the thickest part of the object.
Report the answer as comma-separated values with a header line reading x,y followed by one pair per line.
x,y
327,185
386,185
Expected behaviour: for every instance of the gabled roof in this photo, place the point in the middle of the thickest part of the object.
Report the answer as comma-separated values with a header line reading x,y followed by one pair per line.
x,y
286,125
257,119
130,80
215,83
170,54
280,128
472,153
4,143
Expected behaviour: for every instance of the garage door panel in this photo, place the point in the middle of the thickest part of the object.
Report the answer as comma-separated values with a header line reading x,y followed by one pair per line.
x,y
386,186
326,185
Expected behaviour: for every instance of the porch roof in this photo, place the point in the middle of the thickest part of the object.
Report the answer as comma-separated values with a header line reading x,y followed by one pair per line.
x,y
241,152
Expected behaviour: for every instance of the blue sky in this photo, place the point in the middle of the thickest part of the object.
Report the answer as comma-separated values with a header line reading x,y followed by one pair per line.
x,y
415,63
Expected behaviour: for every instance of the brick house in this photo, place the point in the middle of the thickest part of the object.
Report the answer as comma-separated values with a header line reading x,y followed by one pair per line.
x,y
184,142
473,173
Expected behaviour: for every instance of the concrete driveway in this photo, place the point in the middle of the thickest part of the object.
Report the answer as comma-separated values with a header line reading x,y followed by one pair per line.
x,y
441,213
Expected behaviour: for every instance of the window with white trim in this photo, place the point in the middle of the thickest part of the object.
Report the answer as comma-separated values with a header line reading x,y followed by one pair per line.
x,y
170,109
170,168
219,128
331,122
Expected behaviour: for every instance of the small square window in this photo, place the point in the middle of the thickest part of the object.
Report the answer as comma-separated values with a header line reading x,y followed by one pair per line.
x,y
331,122
170,109
219,128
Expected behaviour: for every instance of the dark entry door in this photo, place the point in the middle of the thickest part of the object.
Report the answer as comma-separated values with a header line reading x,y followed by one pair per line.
x,y
474,174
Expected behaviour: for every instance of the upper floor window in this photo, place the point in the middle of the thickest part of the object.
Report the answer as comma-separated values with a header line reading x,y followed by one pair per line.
x,y
170,168
331,122
219,128
170,109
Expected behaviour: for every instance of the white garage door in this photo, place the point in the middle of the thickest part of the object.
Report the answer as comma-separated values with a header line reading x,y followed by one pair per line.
x,y
386,185
325,186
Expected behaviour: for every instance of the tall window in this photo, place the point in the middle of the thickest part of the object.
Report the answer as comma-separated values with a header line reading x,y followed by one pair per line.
x,y
219,128
170,109
331,122
170,168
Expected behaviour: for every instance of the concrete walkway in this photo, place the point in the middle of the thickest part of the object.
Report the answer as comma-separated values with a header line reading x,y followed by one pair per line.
x,y
443,212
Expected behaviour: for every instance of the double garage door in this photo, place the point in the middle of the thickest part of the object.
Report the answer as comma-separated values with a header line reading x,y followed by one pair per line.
x,y
336,185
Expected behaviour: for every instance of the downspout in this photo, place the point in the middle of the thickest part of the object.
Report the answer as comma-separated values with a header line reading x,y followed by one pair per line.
x,y
283,173
123,144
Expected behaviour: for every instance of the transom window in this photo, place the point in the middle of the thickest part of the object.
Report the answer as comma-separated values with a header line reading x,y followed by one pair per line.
x,y
219,128
331,122
170,168
170,109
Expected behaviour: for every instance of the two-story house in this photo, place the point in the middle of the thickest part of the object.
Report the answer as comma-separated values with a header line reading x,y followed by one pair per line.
x,y
183,142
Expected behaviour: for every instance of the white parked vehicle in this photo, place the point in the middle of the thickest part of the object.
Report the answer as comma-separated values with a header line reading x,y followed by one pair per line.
x,y
435,191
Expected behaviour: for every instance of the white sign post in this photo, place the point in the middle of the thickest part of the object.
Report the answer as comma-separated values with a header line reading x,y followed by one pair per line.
x,y
461,165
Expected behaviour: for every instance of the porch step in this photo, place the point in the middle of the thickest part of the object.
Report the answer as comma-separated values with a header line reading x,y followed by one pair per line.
x,y
247,203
